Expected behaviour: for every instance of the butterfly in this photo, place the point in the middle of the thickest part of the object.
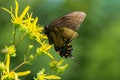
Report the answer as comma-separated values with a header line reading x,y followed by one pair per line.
x,y
63,30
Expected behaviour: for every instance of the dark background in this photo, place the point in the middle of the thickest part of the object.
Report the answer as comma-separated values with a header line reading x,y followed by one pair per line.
x,y
96,48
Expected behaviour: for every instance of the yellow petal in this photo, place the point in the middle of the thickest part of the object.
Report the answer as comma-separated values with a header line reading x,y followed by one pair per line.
x,y
8,11
35,21
24,73
24,12
49,55
60,63
16,9
52,77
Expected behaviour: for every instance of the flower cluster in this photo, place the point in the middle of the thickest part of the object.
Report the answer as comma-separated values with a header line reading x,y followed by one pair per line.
x,y
5,67
56,66
42,76
28,25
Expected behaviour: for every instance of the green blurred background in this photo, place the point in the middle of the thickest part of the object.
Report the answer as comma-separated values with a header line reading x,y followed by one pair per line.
x,y
96,48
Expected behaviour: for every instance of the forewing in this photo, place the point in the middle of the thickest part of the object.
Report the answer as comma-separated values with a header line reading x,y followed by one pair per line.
x,y
71,20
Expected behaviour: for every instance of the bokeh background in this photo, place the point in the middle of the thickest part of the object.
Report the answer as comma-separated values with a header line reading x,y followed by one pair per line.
x,y
97,48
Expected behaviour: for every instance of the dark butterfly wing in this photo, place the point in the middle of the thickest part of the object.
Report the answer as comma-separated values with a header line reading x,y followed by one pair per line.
x,y
71,20
63,30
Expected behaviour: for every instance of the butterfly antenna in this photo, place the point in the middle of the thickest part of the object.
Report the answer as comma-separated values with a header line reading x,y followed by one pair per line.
x,y
45,22
46,19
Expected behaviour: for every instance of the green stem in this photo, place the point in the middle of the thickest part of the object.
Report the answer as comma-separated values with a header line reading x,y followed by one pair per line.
x,y
20,39
14,34
25,62
7,62
28,53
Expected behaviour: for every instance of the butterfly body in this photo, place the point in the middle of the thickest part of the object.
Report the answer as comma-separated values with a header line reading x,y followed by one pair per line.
x,y
63,30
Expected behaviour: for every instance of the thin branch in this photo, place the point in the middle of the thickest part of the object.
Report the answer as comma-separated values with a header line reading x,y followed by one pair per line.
x,y
20,39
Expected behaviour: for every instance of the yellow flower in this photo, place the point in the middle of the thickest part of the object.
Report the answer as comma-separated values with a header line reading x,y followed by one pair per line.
x,y
57,65
17,19
44,49
42,76
13,75
6,73
33,30
11,50
26,22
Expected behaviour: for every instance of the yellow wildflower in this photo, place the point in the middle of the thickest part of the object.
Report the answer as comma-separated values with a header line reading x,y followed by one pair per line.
x,y
57,65
13,75
44,49
17,19
33,29
42,76
11,50
26,22
6,73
